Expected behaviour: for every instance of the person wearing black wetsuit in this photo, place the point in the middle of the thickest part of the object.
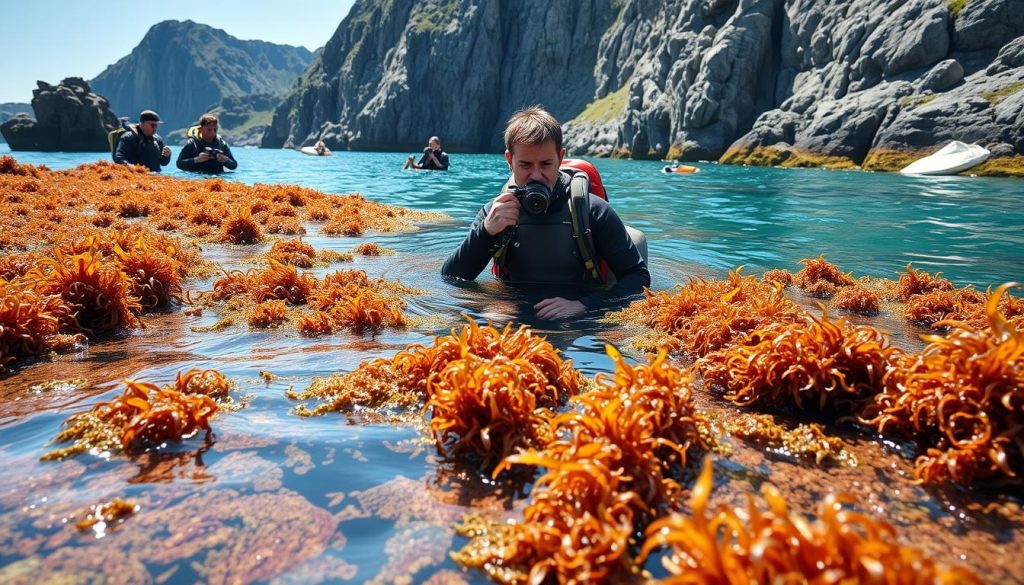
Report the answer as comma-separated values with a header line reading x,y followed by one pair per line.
x,y
141,145
207,152
540,247
433,159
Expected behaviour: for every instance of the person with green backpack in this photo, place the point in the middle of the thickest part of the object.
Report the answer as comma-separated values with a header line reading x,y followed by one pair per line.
x,y
139,144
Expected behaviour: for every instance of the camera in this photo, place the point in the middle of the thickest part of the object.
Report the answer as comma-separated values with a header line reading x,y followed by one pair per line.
x,y
534,197
213,152
428,150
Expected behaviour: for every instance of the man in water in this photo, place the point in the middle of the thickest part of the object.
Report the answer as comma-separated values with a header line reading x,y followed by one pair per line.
x,y
433,159
207,152
141,145
538,243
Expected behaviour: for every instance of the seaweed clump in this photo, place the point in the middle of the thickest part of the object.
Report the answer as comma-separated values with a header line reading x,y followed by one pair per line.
x,y
438,375
29,322
708,315
769,544
829,364
820,277
610,469
963,399
145,416
806,440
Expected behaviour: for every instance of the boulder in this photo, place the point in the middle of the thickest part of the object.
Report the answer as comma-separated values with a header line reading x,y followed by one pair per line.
x,y
68,117
943,76
1010,56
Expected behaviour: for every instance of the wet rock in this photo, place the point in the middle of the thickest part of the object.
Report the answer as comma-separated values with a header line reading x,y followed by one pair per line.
x,y
68,117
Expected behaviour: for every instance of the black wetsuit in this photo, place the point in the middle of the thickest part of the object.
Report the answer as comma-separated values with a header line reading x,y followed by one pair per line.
x,y
427,164
542,250
211,166
133,147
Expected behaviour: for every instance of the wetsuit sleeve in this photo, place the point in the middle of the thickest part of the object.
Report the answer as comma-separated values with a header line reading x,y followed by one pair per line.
x,y
617,249
127,145
232,163
423,160
187,156
443,159
472,256
163,159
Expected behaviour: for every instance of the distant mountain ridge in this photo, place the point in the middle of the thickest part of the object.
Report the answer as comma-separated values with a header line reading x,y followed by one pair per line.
x,y
182,67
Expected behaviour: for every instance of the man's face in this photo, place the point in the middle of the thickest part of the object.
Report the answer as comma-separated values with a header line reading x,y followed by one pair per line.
x,y
208,131
535,162
434,144
148,128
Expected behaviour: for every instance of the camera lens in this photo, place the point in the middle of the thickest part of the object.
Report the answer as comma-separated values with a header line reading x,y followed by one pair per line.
x,y
535,198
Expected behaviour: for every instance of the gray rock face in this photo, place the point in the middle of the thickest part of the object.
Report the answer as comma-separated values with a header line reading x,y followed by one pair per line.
x,y
395,73
988,24
180,68
690,79
11,109
69,117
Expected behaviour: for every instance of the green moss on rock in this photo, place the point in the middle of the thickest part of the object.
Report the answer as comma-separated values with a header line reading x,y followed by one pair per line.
x,y
1002,93
605,109
1003,166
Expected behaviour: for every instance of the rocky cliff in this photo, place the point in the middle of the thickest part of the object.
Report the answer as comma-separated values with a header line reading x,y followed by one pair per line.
x,y
797,82
181,68
397,71
69,117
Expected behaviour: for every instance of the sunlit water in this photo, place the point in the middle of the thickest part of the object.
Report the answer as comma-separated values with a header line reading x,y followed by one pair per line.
x,y
382,502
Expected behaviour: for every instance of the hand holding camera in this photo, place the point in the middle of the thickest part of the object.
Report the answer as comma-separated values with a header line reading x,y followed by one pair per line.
x,y
504,213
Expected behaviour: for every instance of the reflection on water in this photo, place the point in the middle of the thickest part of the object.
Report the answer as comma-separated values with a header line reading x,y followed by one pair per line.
x,y
273,496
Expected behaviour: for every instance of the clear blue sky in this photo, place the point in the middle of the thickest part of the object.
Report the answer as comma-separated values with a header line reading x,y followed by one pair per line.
x,y
54,39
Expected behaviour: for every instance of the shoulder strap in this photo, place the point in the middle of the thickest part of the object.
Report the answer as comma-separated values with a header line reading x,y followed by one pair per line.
x,y
579,210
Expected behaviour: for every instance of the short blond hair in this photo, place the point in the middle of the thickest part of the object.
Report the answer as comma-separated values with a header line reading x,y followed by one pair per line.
x,y
533,125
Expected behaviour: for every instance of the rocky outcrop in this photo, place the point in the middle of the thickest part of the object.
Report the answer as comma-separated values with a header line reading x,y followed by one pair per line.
x,y
895,86
242,119
180,68
11,109
68,117
800,82
396,72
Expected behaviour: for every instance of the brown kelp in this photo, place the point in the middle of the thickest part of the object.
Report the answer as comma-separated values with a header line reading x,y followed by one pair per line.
x,y
145,416
766,543
856,299
963,398
827,364
29,321
610,467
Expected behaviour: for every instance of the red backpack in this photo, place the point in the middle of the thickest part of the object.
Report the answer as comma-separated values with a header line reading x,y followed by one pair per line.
x,y
579,210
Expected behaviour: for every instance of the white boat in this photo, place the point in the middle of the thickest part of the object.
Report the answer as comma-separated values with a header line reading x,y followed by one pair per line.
x,y
949,160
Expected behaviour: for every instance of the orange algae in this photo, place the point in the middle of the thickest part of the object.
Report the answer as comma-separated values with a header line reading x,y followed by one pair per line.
x,y
963,398
832,364
294,252
856,299
29,322
780,275
610,466
766,543
821,278
267,314
98,294
372,249
145,415
109,513
802,441
915,282
241,229
155,274
402,381
707,315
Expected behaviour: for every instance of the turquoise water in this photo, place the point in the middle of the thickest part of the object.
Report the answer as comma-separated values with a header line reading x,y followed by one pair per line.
x,y
373,501
871,223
